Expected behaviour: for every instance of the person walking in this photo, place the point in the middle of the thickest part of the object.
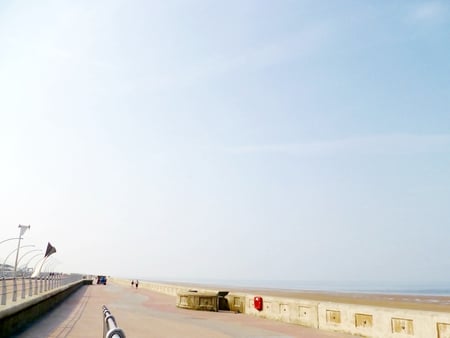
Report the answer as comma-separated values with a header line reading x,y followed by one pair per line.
x,y
137,283
132,283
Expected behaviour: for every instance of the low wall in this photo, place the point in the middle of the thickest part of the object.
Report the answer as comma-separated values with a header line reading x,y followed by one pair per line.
x,y
357,319
14,318
361,320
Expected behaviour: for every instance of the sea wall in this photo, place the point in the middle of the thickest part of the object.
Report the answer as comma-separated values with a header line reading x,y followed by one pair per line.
x,y
15,317
357,319
361,320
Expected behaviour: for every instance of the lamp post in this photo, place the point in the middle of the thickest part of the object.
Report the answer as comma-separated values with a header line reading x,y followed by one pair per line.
x,y
4,262
26,253
9,239
23,229
51,263
26,265
49,268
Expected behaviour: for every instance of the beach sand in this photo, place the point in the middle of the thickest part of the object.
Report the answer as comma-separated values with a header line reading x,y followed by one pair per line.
x,y
399,301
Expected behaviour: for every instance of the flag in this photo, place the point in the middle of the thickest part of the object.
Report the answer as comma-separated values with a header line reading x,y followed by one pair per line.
x,y
50,250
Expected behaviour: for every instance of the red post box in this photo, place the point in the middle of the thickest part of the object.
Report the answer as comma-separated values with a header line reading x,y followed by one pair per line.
x,y
258,303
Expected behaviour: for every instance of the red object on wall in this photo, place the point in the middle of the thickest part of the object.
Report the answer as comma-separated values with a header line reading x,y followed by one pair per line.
x,y
258,303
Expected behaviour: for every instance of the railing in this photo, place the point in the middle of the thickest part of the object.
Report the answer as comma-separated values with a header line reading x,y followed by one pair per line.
x,y
110,328
15,290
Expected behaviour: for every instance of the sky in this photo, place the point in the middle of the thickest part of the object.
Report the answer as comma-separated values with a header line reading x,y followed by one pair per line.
x,y
228,140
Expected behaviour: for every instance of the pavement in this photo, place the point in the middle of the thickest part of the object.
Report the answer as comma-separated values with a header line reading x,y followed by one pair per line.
x,y
144,313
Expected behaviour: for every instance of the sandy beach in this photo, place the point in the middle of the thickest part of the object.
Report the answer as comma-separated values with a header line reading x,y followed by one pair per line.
x,y
402,301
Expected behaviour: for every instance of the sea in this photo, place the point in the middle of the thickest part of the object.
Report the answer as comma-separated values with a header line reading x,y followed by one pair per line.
x,y
441,288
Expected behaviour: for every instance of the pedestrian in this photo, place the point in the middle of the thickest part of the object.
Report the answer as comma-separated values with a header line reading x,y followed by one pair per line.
x,y
137,283
132,283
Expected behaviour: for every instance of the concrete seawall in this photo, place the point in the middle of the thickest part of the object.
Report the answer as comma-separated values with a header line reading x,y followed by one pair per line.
x,y
356,319
364,316
13,318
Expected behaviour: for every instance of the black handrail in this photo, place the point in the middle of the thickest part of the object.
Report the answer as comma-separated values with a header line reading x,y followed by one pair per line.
x,y
110,328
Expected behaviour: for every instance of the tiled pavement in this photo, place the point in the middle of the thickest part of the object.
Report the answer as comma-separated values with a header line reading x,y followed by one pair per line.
x,y
143,313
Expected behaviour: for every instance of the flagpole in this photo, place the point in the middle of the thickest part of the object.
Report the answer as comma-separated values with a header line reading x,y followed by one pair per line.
x,y
22,228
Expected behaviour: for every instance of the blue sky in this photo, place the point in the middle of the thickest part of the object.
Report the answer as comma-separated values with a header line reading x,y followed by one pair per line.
x,y
304,140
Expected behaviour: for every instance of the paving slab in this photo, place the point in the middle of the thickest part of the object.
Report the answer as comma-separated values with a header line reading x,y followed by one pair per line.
x,y
144,313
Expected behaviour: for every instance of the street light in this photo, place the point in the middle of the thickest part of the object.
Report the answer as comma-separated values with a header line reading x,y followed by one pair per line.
x,y
3,267
9,239
23,229
28,263
49,266
28,252
51,263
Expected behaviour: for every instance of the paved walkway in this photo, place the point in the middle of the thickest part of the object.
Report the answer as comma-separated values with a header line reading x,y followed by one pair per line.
x,y
143,313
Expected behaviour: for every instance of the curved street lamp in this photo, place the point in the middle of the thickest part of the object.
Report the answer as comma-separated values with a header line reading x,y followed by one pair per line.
x,y
23,229
51,267
3,267
9,239
28,252
28,263
48,263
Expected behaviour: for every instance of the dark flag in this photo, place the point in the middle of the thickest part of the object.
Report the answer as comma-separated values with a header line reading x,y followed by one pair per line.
x,y
50,250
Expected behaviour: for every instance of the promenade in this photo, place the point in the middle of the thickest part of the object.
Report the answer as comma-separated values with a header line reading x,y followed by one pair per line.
x,y
144,313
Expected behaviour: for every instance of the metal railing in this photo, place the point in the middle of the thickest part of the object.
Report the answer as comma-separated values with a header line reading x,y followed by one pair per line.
x,y
14,290
110,328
